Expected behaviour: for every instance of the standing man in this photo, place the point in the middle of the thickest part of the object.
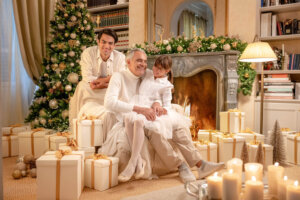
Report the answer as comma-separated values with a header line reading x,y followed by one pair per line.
x,y
98,63
122,87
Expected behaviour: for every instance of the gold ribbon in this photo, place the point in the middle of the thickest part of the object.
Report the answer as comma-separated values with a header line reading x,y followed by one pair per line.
x,y
73,144
92,133
296,148
205,142
240,118
218,149
59,154
231,135
9,143
98,157
210,132
248,130
14,126
234,147
63,134
32,138
285,129
208,152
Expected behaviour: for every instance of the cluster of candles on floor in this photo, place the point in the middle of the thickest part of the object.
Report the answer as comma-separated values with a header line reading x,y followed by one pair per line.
x,y
228,187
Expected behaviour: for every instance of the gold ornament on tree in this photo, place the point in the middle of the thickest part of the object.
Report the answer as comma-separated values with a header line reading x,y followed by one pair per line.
x,y
73,77
53,104
62,66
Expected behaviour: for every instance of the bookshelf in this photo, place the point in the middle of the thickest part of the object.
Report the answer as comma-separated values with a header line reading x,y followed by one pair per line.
x,y
115,16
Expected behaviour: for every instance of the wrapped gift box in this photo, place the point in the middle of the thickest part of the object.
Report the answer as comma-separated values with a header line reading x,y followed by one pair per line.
x,y
252,137
267,152
52,141
10,146
293,148
88,151
207,135
232,121
207,150
101,172
33,142
15,129
60,178
229,146
88,133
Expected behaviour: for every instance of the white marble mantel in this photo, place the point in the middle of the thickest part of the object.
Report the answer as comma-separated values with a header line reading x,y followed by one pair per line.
x,y
223,63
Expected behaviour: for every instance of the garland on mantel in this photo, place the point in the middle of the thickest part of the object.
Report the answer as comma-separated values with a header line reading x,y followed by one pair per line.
x,y
182,44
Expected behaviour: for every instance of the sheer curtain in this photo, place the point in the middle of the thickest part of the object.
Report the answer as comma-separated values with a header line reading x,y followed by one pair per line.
x,y
16,88
188,20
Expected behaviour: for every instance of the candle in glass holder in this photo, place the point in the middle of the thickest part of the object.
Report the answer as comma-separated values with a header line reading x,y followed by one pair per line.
x,y
275,173
293,191
254,190
253,169
230,186
214,186
236,165
281,189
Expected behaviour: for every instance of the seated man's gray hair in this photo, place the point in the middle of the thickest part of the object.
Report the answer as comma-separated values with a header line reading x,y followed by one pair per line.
x,y
131,52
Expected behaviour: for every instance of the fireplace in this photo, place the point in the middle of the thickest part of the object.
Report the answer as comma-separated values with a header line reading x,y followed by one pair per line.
x,y
204,84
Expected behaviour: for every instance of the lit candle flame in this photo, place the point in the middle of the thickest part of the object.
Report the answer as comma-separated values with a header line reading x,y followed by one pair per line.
x,y
285,178
253,178
296,183
215,174
231,171
276,164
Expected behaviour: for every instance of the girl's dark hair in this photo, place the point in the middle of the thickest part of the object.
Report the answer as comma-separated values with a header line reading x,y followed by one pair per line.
x,y
109,32
166,63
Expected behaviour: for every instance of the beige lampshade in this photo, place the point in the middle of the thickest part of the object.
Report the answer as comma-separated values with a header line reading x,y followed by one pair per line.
x,y
258,52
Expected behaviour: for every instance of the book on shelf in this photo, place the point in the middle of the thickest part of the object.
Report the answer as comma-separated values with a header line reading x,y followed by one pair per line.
x,y
294,61
279,86
274,25
278,97
276,80
297,90
274,90
111,18
265,24
278,76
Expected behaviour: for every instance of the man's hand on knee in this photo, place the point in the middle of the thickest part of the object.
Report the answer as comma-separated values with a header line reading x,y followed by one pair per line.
x,y
149,113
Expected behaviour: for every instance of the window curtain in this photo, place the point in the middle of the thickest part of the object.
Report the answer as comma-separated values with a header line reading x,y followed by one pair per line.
x,y
32,19
16,87
187,21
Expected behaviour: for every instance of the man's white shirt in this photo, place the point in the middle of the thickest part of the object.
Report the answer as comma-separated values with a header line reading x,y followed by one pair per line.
x,y
93,67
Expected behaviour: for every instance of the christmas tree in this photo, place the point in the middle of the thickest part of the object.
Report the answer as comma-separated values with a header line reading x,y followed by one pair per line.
x,y
244,155
259,158
72,32
276,140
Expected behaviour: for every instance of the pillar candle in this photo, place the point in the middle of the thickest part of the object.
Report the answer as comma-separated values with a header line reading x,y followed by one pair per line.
x,y
214,186
254,190
253,169
275,173
293,191
281,188
236,165
230,186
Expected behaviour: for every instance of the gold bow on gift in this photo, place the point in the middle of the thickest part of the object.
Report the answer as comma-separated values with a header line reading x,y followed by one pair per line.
x,y
255,142
88,117
210,132
285,129
73,144
248,130
64,134
14,126
203,142
228,135
61,153
98,157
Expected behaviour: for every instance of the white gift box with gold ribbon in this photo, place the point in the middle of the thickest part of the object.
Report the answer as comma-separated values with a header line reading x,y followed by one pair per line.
x,y
101,173
10,145
228,146
267,152
88,151
88,133
15,129
207,135
208,150
232,121
252,136
33,142
293,148
60,177
52,141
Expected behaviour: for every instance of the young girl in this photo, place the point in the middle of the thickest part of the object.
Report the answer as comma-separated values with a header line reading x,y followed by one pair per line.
x,y
155,91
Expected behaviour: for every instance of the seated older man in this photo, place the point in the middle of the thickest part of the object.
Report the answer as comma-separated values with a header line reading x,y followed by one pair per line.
x,y
124,85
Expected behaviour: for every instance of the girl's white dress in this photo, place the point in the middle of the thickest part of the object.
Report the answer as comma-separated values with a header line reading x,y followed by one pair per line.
x,y
157,90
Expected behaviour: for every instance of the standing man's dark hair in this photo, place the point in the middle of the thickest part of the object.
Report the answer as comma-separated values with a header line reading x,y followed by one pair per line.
x,y
109,32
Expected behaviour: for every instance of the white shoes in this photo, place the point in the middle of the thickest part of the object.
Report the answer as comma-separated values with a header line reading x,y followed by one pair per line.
x,y
208,168
139,174
185,173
